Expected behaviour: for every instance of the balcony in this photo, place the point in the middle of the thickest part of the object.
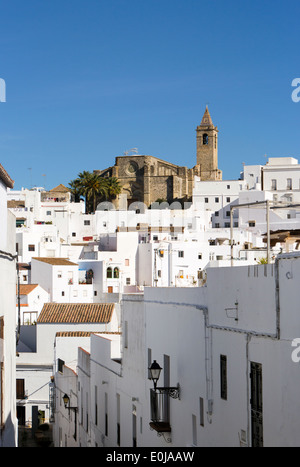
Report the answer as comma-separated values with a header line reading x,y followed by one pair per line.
x,y
159,403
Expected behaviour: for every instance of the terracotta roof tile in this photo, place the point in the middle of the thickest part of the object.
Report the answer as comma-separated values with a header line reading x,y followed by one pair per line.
x,y
6,178
76,313
56,261
25,289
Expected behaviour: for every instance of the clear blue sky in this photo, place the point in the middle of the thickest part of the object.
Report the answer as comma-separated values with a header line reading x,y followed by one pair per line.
x,y
87,80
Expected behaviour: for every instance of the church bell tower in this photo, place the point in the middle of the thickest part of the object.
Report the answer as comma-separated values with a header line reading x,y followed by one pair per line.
x,y
207,149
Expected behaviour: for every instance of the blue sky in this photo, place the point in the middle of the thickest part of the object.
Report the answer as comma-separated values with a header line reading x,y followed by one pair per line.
x,y
87,80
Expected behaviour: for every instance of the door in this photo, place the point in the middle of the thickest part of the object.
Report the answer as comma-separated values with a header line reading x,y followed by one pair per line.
x,y
256,403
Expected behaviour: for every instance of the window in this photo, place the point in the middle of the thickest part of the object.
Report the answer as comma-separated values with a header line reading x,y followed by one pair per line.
x,y
216,200
180,254
205,139
126,262
126,334
273,184
217,214
109,273
227,213
60,365
228,199
106,414
73,234
95,293
20,388
228,187
31,247
118,420
159,273
227,224
59,275
87,222
217,225
194,427
127,280
206,200
251,223
116,273
63,294
155,237
199,255
289,184
96,405
223,377
201,411
48,213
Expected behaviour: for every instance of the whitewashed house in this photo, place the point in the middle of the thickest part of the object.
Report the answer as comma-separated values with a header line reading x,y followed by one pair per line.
x,y
36,353
230,353
60,278
32,299
8,280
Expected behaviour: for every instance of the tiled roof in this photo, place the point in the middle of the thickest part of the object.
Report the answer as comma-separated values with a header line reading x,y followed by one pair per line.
x,y
6,178
73,334
25,289
56,261
60,189
15,203
24,266
76,313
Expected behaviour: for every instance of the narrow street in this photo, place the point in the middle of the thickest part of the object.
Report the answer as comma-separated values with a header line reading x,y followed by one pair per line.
x,y
26,439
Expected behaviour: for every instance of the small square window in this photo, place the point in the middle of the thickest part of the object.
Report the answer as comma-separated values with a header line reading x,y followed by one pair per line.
x,y
87,222
73,234
31,247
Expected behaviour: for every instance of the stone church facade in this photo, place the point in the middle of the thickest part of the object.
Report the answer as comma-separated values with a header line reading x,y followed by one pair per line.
x,y
148,179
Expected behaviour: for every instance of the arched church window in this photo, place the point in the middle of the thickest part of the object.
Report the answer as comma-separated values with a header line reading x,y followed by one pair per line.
x,y
109,273
205,138
116,273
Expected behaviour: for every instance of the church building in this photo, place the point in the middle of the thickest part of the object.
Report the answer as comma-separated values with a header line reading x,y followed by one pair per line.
x,y
148,179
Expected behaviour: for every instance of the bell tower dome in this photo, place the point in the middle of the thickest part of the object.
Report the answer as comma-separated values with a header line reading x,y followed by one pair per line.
x,y
207,149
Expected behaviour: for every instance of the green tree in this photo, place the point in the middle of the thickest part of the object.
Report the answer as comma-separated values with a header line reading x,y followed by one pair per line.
x,y
94,189
113,187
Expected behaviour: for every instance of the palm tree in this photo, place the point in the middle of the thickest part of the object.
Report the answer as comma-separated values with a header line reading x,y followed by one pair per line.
x,y
76,189
114,187
94,188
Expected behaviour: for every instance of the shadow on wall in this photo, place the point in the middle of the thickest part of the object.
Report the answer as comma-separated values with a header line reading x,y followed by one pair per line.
x,y
8,434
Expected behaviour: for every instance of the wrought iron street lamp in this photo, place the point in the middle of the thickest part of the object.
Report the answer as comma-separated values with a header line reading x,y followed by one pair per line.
x,y
155,371
66,400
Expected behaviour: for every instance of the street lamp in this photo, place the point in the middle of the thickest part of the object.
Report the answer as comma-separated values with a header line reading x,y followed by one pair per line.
x,y
66,400
155,371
